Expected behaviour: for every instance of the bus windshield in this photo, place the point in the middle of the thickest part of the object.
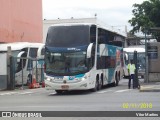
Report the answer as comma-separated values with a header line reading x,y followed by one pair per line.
x,y
18,66
68,36
140,59
70,63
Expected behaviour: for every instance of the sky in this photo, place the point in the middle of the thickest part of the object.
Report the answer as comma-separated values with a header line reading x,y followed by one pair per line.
x,y
115,13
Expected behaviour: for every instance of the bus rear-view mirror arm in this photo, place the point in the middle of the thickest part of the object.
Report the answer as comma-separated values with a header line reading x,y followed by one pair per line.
x,y
126,56
19,55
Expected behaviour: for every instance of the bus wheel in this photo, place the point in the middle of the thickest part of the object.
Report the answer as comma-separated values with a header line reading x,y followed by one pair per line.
x,y
59,91
96,86
116,80
100,84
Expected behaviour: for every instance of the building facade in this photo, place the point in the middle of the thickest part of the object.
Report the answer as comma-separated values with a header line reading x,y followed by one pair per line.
x,y
20,21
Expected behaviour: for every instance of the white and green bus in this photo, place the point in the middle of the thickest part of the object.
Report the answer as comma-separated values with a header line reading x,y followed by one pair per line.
x,y
129,55
81,56
20,50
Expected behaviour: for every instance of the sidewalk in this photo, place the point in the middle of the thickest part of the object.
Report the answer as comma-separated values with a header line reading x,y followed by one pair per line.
x,y
145,87
20,89
150,87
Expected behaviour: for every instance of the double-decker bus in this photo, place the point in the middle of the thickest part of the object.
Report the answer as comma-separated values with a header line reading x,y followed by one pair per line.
x,y
81,56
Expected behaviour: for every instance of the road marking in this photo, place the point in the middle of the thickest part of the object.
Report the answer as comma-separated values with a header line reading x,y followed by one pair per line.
x,y
104,91
15,93
9,93
123,90
25,93
54,93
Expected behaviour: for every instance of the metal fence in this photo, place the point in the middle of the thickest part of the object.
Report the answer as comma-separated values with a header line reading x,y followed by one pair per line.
x,y
23,70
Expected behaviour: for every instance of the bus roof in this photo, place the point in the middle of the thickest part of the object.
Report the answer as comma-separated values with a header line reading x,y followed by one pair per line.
x,y
132,49
71,24
97,24
19,45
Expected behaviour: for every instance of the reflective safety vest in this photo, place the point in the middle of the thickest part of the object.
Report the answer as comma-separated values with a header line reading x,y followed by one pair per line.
x,y
131,68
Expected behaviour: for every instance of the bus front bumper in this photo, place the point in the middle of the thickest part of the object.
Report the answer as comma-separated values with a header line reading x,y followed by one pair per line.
x,y
82,85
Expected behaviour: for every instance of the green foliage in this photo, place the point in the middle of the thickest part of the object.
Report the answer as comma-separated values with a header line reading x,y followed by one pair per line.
x,y
146,16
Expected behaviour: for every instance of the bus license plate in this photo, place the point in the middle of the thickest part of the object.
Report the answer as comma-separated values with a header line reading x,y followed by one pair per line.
x,y
65,87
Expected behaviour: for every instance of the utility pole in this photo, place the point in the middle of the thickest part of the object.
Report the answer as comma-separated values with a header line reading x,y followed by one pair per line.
x,y
146,58
8,67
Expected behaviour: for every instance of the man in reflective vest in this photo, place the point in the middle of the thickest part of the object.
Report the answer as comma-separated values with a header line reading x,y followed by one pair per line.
x,y
131,70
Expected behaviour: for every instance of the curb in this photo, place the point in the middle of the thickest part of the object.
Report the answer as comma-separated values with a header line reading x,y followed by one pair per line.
x,y
21,89
150,88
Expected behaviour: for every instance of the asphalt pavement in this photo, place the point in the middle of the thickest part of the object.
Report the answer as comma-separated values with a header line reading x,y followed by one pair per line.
x,y
144,87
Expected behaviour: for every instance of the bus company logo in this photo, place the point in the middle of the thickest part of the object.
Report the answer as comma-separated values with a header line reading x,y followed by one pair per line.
x,y
73,49
6,114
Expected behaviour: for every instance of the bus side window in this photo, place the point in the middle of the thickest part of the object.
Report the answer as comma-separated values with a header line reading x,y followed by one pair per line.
x,y
33,52
110,62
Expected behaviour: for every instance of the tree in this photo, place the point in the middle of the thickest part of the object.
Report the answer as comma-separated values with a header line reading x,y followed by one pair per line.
x,y
146,16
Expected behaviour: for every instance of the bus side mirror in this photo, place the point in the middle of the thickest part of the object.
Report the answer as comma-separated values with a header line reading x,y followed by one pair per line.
x,y
126,57
19,55
89,50
40,52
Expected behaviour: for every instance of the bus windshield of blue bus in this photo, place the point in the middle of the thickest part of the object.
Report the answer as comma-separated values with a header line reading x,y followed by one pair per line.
x,y
68,36
66,63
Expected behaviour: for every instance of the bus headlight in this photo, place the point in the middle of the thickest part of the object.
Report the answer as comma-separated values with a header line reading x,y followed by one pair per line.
x,y
48,79
85,77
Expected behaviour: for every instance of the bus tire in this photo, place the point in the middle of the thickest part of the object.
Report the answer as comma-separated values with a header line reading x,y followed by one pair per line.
x,y
116,80
96,86
100,83
119,77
